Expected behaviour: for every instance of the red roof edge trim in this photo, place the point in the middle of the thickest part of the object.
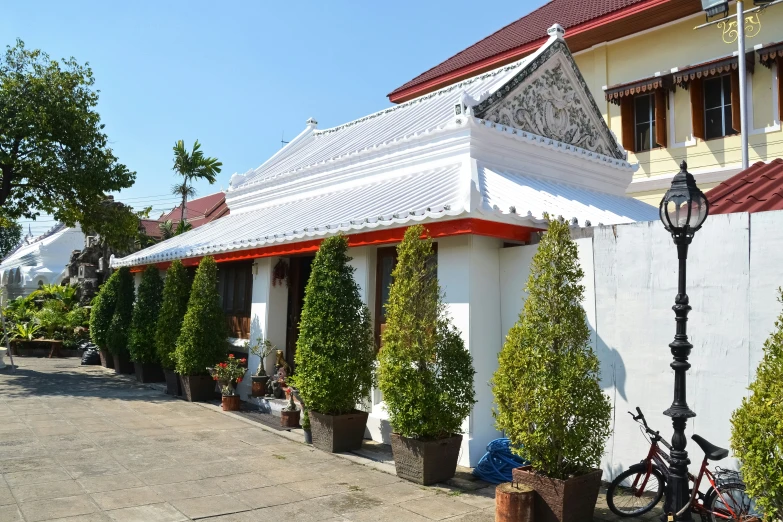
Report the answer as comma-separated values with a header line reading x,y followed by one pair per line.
x,y
401,94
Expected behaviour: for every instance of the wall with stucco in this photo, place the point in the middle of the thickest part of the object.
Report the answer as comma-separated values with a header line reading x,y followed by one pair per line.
x,y
734,269
679,45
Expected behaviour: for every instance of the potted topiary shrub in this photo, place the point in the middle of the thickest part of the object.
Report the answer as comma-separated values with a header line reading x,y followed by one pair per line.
x,y
757,429
141,338
289,416
334,352
202,340
424,372
103,305
120,322
176,292
261,349
547,387
228,374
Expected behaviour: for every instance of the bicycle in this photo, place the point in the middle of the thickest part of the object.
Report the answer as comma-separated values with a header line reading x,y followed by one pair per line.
x,y
639,489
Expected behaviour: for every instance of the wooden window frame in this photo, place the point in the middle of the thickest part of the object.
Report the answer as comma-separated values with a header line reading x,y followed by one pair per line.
x,y
733,102
659,114
237,317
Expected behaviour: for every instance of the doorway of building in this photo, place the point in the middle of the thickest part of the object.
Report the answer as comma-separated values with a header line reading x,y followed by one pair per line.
x,y
298,275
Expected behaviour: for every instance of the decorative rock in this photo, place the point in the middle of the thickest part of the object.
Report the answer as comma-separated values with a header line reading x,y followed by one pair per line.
x,y
514,503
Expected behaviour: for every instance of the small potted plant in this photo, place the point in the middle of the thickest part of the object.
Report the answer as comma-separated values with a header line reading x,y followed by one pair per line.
x,y
424,371
306,427
547,387
262,349
176,292
289,416
228,374
141,339
335,353
202,340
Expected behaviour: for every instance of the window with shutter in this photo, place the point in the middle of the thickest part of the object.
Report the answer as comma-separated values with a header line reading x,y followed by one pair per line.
x,y
235,286
697,108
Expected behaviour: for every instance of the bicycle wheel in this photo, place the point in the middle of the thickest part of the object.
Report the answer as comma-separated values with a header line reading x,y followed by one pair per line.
x,y
630,495
732,499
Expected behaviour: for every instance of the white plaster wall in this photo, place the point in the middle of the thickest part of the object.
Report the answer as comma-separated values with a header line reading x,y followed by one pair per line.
x,y
734,269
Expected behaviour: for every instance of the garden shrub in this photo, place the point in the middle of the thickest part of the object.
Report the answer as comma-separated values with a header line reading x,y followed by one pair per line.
x,y
202,340
123,312
335,351
425,372
141,338
547,390
176,292
103,306
78,317
757,429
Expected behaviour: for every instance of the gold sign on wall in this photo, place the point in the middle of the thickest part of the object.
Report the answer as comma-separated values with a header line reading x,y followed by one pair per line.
x,y
729,28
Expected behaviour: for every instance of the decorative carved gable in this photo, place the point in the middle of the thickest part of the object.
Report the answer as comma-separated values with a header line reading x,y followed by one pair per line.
x,y
549,97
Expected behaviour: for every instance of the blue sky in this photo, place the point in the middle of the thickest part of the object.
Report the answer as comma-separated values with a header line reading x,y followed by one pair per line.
x,y
238,75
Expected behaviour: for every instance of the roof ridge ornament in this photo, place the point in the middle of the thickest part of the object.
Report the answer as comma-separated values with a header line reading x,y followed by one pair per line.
x,y
556,32
312,123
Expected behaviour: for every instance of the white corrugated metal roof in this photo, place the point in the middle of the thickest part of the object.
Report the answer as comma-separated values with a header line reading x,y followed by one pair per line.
x,y
532,196
393,201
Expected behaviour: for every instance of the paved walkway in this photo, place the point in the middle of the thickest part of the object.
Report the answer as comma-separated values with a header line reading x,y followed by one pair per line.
x,y
82,444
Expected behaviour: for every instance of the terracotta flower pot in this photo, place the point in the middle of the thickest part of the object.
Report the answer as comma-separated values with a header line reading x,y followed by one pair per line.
x,y
107,361
258,387
571,500
231,403
425,462
148,372
289,419
173,384
123,364
198,388
337,433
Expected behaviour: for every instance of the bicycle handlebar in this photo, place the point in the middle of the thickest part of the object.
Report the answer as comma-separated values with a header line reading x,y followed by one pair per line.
x,y
655,434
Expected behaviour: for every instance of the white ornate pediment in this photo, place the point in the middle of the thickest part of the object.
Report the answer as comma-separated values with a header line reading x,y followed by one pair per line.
x,y
549,98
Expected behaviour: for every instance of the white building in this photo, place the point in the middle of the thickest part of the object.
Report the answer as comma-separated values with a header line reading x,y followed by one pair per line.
x,y
39,261
478,163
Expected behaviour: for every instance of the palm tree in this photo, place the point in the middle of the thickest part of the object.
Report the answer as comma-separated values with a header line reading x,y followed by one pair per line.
x,y
192,165
166,230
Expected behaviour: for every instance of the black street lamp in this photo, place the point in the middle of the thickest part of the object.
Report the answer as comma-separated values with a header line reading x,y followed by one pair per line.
x,y
683,210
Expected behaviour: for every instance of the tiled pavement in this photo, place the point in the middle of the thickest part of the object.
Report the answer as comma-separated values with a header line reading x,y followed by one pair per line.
x,y
81,444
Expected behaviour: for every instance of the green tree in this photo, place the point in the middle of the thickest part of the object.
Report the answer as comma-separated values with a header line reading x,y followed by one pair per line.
x,y
141,339
425,372
202,340
192,165
757,428
54,155
335,351
547,388
10,236
176,291
103,306
123,313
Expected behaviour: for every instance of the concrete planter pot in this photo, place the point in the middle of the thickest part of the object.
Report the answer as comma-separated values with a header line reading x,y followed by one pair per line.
x,y
289,419
107,361
231,403
338,433
148,372
308,436
258,385
198,388
2,358
173,384
425,462
123,364
571,500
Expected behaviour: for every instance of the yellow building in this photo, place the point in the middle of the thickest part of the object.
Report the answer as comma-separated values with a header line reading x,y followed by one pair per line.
x,y
668,91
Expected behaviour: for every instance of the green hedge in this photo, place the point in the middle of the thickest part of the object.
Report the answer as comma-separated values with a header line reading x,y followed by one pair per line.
x,y
335,351
176,292
202,340
547,387
425,372
123,312
103,306
141,339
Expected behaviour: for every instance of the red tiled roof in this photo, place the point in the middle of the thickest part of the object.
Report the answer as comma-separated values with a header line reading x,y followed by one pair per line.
x,y
756,189
151,228
528,29
199,208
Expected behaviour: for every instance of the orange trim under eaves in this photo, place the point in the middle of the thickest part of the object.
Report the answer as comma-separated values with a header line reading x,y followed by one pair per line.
x,y
456,227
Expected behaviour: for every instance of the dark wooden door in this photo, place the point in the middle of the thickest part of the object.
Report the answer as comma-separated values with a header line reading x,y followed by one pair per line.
x,y
298,275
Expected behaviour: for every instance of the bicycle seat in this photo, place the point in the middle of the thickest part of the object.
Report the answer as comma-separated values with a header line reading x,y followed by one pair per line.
x,y
711,451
